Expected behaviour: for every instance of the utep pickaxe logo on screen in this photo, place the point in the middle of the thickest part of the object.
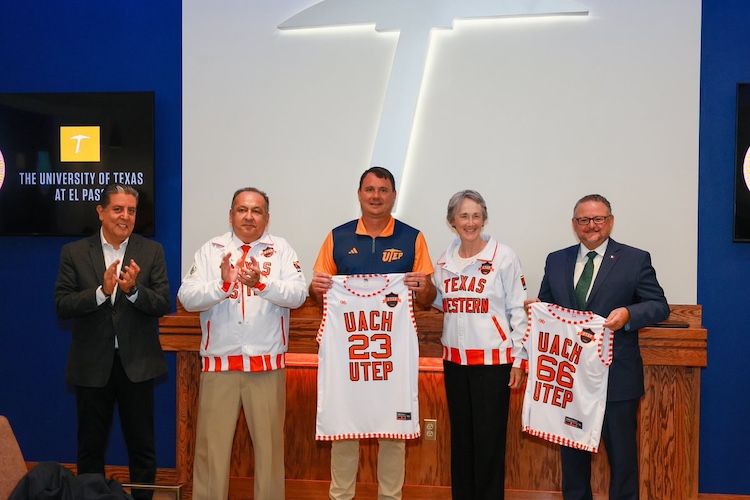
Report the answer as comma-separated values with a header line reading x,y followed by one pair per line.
x,y
80,144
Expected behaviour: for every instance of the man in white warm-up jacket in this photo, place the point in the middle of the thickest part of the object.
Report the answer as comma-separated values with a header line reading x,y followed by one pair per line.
x,y
244,284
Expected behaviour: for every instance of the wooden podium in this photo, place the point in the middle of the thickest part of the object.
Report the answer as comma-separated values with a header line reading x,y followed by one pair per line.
x,y
668,419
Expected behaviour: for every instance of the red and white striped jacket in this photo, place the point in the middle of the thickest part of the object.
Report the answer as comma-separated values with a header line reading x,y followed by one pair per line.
x,y
244,329
484,321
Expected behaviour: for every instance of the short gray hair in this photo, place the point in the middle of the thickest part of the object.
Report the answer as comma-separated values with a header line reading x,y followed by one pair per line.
x,y
117,189
456,200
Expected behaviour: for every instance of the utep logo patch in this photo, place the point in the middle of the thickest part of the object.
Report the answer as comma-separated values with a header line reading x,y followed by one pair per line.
x,y
392,254
268,252
587,335
80,144
485,268
403,415
570,421
391,299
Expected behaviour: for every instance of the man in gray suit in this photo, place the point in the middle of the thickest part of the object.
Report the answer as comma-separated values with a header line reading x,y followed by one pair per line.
x,y
114,286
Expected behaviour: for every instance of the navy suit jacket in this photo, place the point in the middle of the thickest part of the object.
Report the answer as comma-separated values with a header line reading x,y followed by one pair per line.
x,y
136,325
626,278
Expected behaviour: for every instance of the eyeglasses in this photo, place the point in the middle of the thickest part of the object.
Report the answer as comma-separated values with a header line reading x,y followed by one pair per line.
x,y
598,220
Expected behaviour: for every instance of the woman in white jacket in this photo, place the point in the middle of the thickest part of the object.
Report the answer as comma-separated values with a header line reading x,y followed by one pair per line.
x,y
481,291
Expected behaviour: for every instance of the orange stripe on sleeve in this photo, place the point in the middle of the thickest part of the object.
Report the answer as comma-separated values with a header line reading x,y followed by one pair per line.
x,y
324,262
422,261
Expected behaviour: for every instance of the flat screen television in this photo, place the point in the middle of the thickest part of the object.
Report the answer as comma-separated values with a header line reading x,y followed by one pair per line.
x,y
58,151
741,227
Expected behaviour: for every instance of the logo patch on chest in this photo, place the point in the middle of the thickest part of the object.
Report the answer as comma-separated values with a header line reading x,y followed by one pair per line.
x,y
391,299
392,254
586,335
485,268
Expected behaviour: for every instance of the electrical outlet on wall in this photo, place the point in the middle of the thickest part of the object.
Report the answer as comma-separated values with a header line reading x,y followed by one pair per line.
x,y
430,429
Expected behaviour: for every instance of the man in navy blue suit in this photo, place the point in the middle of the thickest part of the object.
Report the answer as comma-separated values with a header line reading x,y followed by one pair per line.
x,y
623,289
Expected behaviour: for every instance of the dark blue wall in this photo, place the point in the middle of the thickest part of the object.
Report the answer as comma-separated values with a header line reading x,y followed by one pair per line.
x,y
97,46
51,46
723,266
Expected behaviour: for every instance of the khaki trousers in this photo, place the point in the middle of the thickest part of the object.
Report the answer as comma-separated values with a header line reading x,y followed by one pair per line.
x,y
262,395
345,462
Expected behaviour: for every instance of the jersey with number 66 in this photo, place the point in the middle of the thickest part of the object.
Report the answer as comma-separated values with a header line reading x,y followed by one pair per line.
x,y
566,392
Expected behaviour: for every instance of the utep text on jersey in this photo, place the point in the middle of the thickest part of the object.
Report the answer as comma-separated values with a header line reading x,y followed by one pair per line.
x,y
556,367
368,360
369,354
569,357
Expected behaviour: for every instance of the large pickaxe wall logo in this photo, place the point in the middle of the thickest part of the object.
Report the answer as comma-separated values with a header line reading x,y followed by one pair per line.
x,y
414,20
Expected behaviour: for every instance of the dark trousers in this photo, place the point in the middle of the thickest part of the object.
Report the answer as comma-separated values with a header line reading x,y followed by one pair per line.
x,y
619,433
135,403
478,399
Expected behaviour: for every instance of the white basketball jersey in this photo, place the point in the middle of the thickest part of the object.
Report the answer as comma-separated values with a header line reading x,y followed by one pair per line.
x,y
368,360
566,392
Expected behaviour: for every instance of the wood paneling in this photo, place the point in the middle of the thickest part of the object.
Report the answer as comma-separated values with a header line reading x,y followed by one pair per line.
x,y
188,368
668,414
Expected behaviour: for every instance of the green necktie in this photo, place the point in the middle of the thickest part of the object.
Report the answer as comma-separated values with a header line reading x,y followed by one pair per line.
x,y
584,282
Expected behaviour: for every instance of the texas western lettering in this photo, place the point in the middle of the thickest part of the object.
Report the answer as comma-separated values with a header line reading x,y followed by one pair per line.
x,y
369,345
464,304
556,365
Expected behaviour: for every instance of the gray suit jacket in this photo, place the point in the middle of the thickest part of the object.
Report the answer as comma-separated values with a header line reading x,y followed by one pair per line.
x,y
626,278
94,327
